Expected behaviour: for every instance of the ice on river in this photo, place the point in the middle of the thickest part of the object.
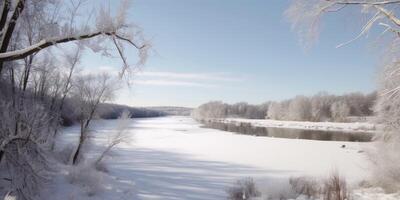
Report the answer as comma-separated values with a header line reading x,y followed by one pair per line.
x,y
173,158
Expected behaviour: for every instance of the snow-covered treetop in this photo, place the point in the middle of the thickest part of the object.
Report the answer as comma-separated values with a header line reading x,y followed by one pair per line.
x,y
305,16
39,24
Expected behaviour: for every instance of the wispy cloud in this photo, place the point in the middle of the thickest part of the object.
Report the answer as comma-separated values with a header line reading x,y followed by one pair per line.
x,y
165,82
163,78
113,71
205,80
191,76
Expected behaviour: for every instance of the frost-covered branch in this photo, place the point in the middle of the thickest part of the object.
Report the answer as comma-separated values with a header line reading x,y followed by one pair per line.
x,y
389,14
89,92
22,53
47,23
368,2
116,138
4,15
305,16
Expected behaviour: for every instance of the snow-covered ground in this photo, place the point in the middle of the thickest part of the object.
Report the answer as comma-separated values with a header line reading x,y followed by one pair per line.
x,y
324,126
173,158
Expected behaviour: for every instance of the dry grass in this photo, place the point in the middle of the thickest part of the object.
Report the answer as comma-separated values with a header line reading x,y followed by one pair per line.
x,y
332,188
243,189
335,188
306,186
87,177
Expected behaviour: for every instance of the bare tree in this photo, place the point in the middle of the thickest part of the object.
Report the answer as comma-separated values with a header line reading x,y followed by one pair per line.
x,y
276,110
320,106
340,110
118,137
46,27
305,16
34,85
213,109
23,146
89,92
71,61
299,109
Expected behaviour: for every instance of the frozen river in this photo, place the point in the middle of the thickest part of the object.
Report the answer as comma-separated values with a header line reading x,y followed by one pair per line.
x,y
175,158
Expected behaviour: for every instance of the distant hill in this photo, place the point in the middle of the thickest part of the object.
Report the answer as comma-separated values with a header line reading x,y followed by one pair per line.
x,y
172,110
113,111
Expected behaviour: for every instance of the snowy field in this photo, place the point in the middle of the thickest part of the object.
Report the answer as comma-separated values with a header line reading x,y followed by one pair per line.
x,y
173,158
323,126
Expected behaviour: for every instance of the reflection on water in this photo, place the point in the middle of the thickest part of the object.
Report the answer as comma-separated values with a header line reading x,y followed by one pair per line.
x,y
248,129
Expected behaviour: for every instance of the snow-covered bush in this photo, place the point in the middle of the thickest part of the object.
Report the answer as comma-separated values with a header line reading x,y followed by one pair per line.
x,y
243,189
306,186
334,187
101,167
87,177
63,155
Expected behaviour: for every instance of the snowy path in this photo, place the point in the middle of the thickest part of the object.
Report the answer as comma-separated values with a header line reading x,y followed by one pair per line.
x,y
172,158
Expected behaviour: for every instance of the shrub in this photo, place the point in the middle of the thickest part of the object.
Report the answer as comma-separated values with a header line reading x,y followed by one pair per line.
x,y
101,166
64,154
306,186
243,189
87,177
300,188
335,188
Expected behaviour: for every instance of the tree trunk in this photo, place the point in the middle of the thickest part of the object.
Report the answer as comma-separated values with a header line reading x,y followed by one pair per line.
x,y
76,154
4,14
81,141
1,156
9,28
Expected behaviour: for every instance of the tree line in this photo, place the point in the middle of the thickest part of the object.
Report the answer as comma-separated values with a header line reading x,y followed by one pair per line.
x,y
319,107
42,85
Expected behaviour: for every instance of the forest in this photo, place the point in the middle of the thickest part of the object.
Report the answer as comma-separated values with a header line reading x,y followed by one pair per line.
x,y
320,107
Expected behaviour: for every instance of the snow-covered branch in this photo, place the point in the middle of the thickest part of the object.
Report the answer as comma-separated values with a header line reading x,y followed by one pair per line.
x,y
364,2
305,16
389,14
22,53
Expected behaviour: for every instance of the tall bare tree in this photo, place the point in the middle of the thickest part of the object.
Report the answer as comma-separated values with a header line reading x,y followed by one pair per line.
x,y
305,16
34,86
89,92
46,27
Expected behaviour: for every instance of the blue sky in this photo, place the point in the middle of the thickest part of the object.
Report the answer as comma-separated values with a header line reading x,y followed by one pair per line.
x,y
240,50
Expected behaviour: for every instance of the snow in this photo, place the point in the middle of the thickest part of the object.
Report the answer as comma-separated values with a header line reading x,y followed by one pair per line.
x,y
173,158
374,194
324,126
